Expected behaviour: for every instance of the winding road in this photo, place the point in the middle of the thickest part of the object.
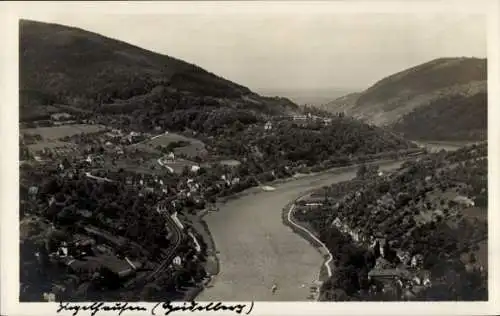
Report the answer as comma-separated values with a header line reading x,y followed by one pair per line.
x,y
256,250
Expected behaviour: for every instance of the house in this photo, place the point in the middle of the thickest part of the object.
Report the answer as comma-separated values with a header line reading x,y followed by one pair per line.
x,y
423,277
195,168
403,256
62,251
170,156
417,260
336,222
49,297
33,191
268,126
177,261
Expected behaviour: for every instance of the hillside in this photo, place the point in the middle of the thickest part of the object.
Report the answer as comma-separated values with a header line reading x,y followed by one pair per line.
x,y
434,207
417,101
87,71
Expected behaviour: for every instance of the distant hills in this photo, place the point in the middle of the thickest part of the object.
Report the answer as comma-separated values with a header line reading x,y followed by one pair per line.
x,y
304,96
444,99
60,64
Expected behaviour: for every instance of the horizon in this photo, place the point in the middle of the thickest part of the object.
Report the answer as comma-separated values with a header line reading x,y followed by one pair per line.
x,y
270,73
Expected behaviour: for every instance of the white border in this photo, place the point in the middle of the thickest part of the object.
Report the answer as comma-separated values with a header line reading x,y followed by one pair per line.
x,y
11,11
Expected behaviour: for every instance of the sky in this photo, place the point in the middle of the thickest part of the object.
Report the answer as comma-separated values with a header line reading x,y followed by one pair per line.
x,y
301,51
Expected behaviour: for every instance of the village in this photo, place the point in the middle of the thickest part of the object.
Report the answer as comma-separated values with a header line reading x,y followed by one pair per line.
x,y
91,247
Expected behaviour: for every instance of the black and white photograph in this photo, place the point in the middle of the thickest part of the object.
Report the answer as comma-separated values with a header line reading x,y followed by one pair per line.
x,y
228,152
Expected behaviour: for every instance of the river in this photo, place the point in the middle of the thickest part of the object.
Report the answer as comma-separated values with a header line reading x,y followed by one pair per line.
x,y
257,250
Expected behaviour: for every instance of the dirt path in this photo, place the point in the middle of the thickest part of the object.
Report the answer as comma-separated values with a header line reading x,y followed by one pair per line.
x,y
258,250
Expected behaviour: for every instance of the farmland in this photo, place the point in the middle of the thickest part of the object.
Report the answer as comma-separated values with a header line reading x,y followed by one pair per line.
x,y
57,132
50,138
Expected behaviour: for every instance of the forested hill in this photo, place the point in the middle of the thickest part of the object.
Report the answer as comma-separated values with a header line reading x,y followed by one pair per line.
x,y
60,64
418,101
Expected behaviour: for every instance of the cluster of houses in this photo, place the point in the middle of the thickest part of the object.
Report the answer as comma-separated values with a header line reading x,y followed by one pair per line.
x,y
395,270
300,119
405,274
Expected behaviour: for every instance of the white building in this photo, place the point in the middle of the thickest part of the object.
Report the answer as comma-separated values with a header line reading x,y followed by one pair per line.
x,y
195,168
171,156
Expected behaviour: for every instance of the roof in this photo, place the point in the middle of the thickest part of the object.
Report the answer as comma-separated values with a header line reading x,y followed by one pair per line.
x,y
113,264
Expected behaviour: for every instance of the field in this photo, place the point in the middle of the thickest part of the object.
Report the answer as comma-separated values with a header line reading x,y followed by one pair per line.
x,y
195,147
57,132
51,137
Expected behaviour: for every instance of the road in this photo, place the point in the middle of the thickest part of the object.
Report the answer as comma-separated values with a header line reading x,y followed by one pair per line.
x,y
257,250
290,213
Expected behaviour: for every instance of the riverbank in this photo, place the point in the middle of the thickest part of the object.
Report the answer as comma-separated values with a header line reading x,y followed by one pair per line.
x,y
256,248
305,231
